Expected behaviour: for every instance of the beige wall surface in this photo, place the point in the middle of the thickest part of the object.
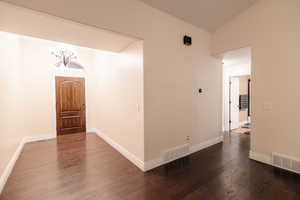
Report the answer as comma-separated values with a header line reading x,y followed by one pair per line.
x,y
173,108
272,29
27,85
9,101
117,98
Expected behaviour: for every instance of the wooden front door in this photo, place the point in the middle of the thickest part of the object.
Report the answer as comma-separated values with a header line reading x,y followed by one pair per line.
x,y
70,105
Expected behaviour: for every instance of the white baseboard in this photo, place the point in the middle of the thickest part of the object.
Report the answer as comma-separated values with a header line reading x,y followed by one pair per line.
x,y
148,165
194,148
9,167
130,156
39,138
260,157
203,145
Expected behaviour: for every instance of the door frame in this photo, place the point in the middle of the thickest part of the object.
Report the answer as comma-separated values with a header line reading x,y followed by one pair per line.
x,y
56,104
230,105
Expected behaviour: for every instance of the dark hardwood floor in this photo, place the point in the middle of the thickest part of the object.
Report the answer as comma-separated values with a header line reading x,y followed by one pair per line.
x,y
75,167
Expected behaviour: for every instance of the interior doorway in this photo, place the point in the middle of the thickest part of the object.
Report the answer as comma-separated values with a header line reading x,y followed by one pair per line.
x,y
236,91
70,105
239,104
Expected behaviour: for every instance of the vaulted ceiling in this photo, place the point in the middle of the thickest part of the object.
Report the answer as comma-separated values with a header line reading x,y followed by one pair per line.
x,y
207,14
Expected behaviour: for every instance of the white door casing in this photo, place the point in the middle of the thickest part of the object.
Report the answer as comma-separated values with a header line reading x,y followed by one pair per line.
x,y
234,105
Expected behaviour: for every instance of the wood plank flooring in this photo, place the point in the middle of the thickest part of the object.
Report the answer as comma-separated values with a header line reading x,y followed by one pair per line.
x,y
79,167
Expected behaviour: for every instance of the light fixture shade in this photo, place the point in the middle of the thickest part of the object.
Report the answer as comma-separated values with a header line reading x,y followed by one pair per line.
x,y
74,65
66,58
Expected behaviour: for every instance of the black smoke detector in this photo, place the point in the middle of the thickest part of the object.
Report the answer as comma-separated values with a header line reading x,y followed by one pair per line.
x,y
187,40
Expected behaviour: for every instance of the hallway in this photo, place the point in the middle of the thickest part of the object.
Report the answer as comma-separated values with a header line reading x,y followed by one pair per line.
x,y
79,167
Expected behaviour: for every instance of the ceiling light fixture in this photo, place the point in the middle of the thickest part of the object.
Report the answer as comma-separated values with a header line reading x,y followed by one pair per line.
x,y
66,59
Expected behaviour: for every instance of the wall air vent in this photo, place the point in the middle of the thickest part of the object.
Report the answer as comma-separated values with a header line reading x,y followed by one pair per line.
x,y
286,162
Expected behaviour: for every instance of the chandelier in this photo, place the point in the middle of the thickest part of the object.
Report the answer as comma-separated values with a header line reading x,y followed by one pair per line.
x,y
66,59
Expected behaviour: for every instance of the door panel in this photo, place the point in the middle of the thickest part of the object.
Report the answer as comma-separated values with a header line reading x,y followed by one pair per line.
x,y
235,91
70,105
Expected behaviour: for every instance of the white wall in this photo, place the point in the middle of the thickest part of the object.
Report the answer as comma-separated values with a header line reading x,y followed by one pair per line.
x,y
27,85
117,101
272,29
173,108
9,101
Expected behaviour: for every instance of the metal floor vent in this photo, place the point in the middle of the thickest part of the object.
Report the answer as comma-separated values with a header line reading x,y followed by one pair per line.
x,y
177,152
286,162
